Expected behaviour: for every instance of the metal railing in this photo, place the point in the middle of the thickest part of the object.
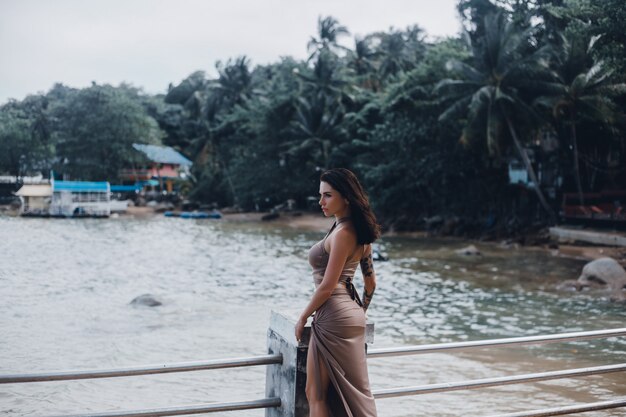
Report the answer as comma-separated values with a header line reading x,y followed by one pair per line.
x,y
508,380
271,359
570,409
161,369
143,370
511,341
186,410
498,381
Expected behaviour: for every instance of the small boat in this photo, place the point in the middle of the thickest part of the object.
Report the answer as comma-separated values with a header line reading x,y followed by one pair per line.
x,y
194,214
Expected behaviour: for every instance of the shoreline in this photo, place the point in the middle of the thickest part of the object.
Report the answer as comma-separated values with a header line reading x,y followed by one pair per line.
x,y
310,221
317,222
571,250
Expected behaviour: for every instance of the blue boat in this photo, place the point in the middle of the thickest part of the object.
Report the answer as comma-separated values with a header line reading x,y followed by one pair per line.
x,y
194,214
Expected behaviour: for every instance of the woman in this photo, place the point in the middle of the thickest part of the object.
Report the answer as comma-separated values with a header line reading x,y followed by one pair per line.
x,y
337,380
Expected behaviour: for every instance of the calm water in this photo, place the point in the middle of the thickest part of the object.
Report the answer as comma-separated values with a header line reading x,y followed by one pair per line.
x,y
65,288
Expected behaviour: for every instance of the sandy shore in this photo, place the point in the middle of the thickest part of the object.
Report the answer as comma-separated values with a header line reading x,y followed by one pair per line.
x,y
297,220
589,253
302,221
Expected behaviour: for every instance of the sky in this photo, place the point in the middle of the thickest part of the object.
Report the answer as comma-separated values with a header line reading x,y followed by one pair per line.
x,y
152,43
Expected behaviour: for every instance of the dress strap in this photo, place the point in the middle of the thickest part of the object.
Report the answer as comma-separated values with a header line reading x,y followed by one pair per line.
x,y
337,222
331,229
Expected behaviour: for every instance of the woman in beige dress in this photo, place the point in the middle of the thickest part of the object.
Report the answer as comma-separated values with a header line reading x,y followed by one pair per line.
x,y
337,380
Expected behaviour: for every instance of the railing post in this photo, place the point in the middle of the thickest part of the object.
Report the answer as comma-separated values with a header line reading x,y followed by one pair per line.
x,y
288,380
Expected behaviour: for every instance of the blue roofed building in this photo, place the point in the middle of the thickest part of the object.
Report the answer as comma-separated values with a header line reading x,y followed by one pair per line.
x,y
162,167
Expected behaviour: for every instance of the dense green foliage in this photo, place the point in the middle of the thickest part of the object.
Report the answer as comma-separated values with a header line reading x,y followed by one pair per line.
x,y
430,125
84,134
94,129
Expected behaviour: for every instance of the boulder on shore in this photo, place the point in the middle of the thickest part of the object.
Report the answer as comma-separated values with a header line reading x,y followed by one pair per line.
x,y
604,273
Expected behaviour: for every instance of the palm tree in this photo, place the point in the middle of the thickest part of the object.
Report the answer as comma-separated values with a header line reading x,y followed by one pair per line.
x,y
489,91
329,31
233,86
362,61
326,77
394,55
189,93
415,43
319,110
316,128
583,89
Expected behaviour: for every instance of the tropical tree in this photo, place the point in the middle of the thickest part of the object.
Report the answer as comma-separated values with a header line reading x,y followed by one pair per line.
x,y
320,109
362,61
472,14
316,128
233,86
490,90
594,18
187,92
393,54
583,90
328,33
94,129
25,145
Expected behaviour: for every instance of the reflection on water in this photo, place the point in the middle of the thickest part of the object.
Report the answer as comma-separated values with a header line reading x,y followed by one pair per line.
x,y
65,288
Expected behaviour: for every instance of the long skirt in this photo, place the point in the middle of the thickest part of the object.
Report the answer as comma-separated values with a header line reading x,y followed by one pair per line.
x,y
338,343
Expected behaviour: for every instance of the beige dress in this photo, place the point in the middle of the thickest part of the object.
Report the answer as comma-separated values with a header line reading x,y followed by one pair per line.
x,y
338,340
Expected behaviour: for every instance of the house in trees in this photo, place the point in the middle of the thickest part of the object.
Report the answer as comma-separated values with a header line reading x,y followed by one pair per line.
x,y
159,166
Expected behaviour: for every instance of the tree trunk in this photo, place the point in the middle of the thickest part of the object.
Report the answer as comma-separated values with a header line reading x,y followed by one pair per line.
x,y
529,169
576,166
232,187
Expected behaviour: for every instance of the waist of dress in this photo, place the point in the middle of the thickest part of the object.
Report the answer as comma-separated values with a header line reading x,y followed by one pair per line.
x,y
340,284
348,288
343,279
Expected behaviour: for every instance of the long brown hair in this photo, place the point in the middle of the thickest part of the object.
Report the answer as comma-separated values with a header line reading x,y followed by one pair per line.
x,y
363,218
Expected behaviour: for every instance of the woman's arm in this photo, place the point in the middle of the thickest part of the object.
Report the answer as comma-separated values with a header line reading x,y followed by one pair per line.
x,y
369,277
341,245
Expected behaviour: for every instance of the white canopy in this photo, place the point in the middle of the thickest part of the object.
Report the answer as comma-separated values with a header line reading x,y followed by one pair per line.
x,y
43,190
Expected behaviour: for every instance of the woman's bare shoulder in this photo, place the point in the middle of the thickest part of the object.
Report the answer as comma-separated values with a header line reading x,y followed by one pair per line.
x,y
345,237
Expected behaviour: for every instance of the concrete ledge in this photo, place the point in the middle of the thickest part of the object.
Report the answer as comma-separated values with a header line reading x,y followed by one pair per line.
x,y
594,237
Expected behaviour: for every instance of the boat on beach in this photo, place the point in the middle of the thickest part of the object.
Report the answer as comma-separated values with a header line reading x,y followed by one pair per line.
x,y
194,214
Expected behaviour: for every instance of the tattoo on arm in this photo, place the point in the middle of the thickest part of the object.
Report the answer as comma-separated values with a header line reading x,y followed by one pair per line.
x,y
367,267
367,298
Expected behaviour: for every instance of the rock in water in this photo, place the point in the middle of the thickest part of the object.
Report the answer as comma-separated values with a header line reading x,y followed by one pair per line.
x,y
270,216
147,300
470,250
379,256
605,272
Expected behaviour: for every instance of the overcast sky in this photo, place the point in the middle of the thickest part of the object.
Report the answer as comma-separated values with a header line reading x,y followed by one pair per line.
x,y
150,43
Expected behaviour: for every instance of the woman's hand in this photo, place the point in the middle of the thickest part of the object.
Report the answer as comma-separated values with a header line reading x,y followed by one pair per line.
x,y
300,329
